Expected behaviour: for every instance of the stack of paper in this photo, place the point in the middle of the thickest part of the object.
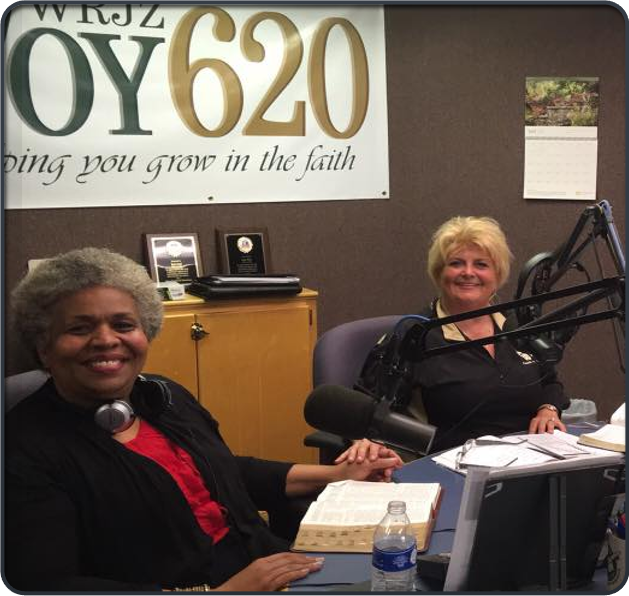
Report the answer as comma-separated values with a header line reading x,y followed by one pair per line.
x,y
519,450
555,444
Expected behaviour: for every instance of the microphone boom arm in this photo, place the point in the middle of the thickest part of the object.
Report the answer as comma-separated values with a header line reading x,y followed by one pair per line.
x,y
563,258
531,322
412,346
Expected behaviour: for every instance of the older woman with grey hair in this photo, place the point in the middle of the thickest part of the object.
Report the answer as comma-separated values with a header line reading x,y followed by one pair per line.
x,y
33,300
117,481
491,389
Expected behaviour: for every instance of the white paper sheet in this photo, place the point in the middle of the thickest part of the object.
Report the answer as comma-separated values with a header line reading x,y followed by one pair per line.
x,y
525,453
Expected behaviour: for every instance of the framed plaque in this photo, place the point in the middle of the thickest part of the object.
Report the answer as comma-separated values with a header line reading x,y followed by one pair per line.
x,y
173,257
244,251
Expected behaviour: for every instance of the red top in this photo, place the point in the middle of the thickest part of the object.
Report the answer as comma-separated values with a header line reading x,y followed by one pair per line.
x,y
153,444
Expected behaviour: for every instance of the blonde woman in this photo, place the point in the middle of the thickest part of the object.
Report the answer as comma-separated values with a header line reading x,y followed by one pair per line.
x,y
490,389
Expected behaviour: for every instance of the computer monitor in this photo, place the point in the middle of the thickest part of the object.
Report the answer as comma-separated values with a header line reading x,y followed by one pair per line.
x,y
535,528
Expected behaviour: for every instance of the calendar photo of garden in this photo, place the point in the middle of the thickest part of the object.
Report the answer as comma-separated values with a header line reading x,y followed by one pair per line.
x,y
561,102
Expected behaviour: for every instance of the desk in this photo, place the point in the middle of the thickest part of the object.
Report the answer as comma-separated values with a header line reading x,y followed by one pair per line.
x,y
347,569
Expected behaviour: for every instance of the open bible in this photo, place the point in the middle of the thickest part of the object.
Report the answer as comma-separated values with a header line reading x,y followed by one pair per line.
x,y
345,515
611,436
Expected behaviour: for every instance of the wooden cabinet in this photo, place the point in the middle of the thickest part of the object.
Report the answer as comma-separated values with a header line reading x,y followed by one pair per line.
x,y
249,362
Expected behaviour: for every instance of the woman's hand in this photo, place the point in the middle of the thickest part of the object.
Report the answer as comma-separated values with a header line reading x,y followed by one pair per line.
x,y
303,479
379,470
365,449
270,574
546,420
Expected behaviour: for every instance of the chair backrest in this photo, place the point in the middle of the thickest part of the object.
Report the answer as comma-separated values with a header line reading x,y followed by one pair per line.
x,y
340,353
17,387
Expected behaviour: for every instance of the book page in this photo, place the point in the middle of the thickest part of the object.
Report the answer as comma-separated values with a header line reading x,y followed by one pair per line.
x,y
618,417
356,490
345,514
350,502
610,433
358,513
592,451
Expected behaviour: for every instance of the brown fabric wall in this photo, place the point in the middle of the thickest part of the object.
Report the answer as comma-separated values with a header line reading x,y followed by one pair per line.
x,y
456,101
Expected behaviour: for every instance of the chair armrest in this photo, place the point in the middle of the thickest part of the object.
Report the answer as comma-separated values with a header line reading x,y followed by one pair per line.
x,y
320,439
329,445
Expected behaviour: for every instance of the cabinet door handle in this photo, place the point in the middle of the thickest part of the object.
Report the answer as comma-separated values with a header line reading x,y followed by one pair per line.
x,y
197,332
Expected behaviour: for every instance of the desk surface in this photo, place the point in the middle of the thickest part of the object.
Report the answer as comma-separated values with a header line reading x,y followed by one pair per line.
x,y
347,569
344,568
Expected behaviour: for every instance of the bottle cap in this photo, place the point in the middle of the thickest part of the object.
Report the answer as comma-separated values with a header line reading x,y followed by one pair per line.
x,y
396,507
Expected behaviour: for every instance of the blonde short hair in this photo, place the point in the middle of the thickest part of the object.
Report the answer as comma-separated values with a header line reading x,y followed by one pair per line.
x,y
482,232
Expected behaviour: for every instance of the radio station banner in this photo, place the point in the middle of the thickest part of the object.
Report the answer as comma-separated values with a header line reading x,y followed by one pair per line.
x,y
148,104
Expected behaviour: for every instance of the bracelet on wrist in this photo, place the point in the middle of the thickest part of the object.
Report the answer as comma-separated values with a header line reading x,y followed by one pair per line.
x,y
549,407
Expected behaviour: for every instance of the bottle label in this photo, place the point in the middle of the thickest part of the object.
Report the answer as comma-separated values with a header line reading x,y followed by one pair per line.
x,y
394,560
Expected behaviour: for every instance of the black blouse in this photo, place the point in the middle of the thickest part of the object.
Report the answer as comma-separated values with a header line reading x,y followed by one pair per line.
x,y
467,393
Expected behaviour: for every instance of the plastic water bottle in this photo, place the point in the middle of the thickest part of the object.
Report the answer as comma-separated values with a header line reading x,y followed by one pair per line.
x,y
394,552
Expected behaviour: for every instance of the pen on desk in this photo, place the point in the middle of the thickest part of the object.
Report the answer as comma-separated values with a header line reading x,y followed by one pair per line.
x,y
496,441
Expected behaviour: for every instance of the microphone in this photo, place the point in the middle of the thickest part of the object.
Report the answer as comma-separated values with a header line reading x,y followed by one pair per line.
x,y
545,347
354,415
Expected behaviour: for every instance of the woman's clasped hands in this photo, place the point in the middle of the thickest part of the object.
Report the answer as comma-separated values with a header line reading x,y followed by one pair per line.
x,y
365,454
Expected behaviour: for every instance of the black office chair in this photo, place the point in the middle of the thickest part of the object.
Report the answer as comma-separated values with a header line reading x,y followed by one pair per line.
x,y
338,359
17,387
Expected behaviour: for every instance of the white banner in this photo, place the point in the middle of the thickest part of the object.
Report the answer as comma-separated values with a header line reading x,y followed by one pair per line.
x,y
140,104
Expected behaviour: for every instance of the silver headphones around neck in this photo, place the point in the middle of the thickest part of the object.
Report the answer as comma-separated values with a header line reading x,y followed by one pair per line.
x,y
115,416
118,415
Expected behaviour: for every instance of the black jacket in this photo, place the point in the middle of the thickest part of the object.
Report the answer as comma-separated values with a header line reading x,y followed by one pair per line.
x,y
83,512
467,393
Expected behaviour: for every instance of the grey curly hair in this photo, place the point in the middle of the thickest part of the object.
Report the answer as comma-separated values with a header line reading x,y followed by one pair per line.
x,y
33,298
